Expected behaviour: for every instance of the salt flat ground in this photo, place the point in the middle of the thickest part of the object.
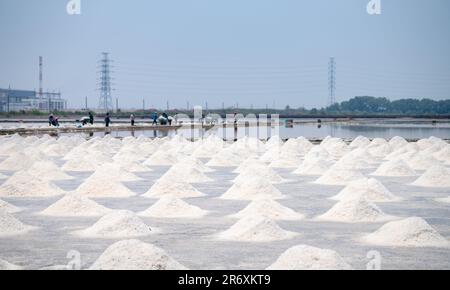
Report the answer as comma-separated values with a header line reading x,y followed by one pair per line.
x,y
191,241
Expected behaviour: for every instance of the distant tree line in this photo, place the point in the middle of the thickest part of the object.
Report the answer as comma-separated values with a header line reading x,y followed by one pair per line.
x,y
373,105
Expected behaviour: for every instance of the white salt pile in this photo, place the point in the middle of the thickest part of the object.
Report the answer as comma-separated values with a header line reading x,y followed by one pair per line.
x,y
436,176
170,207
394,168
360,142
398,142
185,173
313,167
113,171
161,158
252,161
75,205
286,159
20,161
268,208
9,208
10,226
23,184
196,163
410,232
103,186
337,176
421,162
369,188
86,162
304,257
48,170
255,229
443,154
261,170
6,266
254,188
354,210
135,255
117,224
225,158
173,188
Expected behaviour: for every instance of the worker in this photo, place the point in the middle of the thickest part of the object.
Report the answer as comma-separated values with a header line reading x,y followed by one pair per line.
x,y
91,118
155,118
132,119
107,120
50,120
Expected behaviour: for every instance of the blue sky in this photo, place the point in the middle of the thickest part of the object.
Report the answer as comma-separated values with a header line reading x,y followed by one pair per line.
x,y
233,51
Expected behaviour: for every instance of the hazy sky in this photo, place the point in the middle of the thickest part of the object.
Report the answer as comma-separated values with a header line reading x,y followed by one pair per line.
x,y
234,51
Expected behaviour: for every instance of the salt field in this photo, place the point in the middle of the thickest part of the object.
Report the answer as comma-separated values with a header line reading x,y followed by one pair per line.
x,y
173,203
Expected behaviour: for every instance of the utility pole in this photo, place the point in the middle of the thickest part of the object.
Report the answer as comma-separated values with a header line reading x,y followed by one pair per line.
x,y
168,107
105,101
143,105
187,105
85,103
9,92
117,105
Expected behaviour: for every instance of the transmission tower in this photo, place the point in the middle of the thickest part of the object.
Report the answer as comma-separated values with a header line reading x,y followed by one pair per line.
x,y
331,81
105,101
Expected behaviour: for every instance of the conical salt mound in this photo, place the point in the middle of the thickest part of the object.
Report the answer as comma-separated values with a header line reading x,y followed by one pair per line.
x,y
48,170
185,173
410,232
117,224
225,158
196,163
23,184
97,186
354,210
313,167
114,171
286,160
255,229
253,189
360,142
135,255
132,166
7,207
304,257
5,266
260,170
436,176
443,154
75,205
10,226
422,162
395,168
161,158
268,208
174,188
20,161
339,177
369,188
248,163
170,207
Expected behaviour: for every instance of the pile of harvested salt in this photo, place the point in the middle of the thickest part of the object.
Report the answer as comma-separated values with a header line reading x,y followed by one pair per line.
x,y
19,161
23,184
369,188
304,257
421,162
336,176
360,142
255,229
103,186
113,171
75,205
261,170
135,255
225,158
313,167
170,207
268,208
86,162
7,207
394,168
354,210
10,226
161,158
117,224
436,176
443,154
48,170
286,159
185,173
173,188
410,232
5,266
253,189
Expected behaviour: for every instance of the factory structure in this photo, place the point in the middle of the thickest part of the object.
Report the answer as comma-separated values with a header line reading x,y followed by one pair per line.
x,y
14,100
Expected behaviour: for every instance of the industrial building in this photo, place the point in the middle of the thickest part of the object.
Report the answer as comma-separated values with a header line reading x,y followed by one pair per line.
x,y
23,100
